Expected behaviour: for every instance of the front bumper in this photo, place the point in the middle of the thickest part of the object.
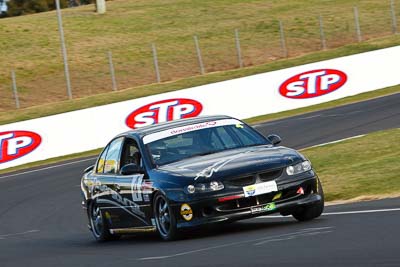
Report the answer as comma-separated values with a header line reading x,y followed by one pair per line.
x,y
210,211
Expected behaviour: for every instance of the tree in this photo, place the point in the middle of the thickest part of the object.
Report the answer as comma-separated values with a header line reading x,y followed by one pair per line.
x,y
22,7
52,4
35,6
86,2
15,8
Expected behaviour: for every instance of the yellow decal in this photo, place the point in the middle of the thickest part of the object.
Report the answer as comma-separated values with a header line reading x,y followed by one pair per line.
x,y
250,188
277,196
107,215
186,212
249,191
100,165
239,126
88,182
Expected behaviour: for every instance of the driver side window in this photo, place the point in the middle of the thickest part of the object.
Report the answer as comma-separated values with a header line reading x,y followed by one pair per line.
x,y
131,154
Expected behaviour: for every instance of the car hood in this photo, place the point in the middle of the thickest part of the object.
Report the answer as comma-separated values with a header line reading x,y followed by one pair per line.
x,y
234,162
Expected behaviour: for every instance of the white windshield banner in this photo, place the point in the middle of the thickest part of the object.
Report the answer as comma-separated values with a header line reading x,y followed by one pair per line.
x,y
188,128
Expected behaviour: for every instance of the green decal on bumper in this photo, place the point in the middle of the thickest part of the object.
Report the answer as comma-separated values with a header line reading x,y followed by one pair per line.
x,y
263,208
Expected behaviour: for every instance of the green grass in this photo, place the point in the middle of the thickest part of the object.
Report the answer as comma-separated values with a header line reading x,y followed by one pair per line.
x,y
361,167
30,44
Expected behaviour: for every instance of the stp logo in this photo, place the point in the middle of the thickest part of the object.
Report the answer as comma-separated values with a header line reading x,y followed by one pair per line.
x,y
313,83
16,144
165,110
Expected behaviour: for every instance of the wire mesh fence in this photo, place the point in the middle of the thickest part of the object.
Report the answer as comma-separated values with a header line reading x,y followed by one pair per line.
x,y
117,64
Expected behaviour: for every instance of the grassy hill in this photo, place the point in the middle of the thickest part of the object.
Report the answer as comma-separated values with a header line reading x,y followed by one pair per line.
x,y
362,168
30,44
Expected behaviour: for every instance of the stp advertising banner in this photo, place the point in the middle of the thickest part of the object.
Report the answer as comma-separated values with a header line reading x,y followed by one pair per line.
x,y
266,93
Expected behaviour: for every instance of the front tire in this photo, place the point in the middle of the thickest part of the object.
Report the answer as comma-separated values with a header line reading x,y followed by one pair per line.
x,y
308,213
165,219
98,224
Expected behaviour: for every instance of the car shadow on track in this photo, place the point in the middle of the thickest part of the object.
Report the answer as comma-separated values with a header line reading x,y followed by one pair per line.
x,y
236,228
211,231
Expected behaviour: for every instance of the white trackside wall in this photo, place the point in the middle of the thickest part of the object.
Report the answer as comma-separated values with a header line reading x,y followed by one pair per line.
x,y
271,92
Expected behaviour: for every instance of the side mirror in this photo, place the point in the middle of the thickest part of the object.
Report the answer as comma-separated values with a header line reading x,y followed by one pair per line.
x,y
274,139
130,169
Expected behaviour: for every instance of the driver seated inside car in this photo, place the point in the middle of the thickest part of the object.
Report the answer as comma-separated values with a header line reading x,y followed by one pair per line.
x,y
131,155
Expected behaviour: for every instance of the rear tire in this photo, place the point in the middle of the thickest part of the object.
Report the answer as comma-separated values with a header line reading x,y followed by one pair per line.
x,y
165,219
99,225
310,212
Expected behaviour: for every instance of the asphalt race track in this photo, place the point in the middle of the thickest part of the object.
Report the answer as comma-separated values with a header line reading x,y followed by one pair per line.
x,y
42,224
337,123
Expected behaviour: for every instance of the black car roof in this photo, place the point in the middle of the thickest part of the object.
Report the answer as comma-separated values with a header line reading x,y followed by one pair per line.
x,y
173,124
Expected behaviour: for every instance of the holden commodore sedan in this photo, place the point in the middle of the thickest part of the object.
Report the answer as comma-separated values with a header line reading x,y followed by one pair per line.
x,y
193,172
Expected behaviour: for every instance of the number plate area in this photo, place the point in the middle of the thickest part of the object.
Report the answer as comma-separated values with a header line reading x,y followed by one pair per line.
x,y
259,189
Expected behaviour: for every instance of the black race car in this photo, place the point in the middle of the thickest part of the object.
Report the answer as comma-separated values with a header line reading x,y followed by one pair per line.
x,y
192,172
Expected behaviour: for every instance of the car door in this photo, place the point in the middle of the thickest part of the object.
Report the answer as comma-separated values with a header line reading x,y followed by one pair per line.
x,y
133,192
105,189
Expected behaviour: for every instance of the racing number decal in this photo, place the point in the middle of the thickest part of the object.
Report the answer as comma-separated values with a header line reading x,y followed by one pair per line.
x,y
136,187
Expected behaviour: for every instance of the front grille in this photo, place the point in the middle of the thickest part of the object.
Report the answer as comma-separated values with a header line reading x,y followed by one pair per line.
x,y
271,175
247,202
266,198
287,194
236,204
241,181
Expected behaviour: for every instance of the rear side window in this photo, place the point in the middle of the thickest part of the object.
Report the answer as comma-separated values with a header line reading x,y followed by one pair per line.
x,y
101,161
112,159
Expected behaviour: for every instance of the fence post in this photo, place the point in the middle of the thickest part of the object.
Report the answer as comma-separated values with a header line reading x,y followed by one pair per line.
x,y
283,40
357,23
155,61
112,71
394,20
238,50
15,90
322,33
101,6
63,50
198,51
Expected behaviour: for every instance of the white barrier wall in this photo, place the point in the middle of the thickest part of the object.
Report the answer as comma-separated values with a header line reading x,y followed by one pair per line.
x,y
276,91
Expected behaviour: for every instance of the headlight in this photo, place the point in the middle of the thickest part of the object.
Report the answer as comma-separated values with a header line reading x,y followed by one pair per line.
x,y
298,168
204,187
190,189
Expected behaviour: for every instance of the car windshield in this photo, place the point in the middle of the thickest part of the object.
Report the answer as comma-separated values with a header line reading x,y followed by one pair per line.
x,y
201,139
